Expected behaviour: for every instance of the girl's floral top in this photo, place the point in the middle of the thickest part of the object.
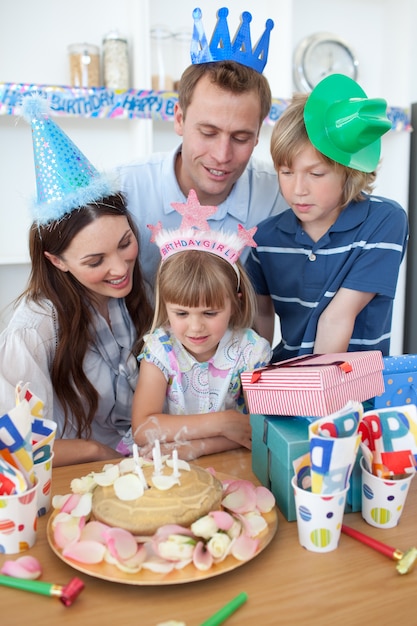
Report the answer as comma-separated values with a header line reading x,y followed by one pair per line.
x,y
208,387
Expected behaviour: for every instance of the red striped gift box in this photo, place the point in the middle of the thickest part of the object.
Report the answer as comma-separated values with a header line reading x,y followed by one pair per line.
x,y
314,385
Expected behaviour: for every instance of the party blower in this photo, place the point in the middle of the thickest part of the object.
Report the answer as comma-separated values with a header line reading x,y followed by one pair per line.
x,y
66,593
405,560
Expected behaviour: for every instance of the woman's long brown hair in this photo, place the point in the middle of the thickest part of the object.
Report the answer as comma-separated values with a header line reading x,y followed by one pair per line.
x,y
71,302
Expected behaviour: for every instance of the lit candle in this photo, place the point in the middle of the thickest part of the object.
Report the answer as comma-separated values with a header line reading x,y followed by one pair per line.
x,y
138,467
175,472
156,454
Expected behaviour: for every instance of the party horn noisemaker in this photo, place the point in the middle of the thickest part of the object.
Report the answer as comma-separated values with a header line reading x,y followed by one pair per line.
x,y
405,560
226,611
66,593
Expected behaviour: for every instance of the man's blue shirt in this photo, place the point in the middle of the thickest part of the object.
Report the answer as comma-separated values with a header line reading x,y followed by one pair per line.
x,y
151,186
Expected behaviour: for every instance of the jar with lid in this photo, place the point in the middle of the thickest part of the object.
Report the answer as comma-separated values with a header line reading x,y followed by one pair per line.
x,y
115,61
84,59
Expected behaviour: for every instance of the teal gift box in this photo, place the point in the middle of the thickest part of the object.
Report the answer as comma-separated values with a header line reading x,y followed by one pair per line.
x,y
276,442
400,379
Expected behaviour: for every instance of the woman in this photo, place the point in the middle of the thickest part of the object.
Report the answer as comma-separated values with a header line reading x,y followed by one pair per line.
x,y
78,326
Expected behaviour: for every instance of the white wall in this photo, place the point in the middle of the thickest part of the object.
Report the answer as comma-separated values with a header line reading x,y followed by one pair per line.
x,y
33,48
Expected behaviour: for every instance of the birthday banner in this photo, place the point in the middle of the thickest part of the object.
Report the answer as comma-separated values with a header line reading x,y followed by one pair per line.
x,y
131,104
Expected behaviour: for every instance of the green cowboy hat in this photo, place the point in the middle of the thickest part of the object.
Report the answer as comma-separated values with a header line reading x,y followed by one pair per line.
x,y
345,125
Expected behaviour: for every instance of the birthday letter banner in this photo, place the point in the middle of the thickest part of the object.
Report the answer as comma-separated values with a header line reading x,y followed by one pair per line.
x,y
131,104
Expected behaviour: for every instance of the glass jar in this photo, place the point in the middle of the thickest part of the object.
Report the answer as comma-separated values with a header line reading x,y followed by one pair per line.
x,y
182,57
84,59
115,61
162,58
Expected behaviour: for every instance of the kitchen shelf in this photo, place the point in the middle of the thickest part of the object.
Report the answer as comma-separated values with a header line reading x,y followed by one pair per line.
x,y
100,102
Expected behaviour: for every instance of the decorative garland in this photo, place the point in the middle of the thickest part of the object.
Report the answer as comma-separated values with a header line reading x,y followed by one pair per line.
x,y
131,104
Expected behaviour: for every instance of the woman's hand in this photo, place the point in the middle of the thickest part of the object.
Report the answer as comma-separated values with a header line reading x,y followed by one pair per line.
x,y
73,451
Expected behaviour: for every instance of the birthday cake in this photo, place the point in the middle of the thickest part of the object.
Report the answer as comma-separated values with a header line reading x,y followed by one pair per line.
x,y
194,493
159,516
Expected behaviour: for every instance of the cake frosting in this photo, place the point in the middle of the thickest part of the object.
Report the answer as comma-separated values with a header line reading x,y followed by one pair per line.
x,y
160,516
195,493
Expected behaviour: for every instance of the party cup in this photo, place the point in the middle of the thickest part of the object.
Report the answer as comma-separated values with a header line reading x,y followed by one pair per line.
x,y
383,499
334,443
43,438
319,518
18,521
43,472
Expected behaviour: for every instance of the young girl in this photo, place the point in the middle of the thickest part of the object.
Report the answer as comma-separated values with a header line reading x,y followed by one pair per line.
x,y
79,324
328,266
189,391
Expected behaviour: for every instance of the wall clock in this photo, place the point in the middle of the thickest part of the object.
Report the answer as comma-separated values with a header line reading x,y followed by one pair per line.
x,y
320,55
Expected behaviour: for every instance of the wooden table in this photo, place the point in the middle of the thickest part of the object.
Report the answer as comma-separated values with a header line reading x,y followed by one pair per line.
x,y
286,584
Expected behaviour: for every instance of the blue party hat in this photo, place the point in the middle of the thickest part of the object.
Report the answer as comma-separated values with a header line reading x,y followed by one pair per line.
x,y
222,48
65,178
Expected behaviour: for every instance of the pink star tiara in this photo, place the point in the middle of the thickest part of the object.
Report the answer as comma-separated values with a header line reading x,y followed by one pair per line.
x,y
195,233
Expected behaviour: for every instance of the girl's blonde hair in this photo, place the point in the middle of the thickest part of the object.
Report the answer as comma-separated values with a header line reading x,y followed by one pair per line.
x,y
289,137
200,279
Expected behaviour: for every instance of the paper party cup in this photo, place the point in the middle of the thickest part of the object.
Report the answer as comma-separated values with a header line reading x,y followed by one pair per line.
x,y
334,443
43,472
383,499
18,521
319,518
43,438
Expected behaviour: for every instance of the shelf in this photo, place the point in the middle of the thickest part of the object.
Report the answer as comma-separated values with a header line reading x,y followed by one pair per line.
x,y
99,102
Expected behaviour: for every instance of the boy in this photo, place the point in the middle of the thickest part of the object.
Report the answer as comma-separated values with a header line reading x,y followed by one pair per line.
x,y
328,266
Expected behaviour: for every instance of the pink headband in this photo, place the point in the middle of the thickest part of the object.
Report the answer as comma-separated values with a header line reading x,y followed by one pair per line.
x,y
195,233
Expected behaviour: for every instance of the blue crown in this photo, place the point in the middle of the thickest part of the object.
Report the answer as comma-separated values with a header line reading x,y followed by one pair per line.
x,y
221,47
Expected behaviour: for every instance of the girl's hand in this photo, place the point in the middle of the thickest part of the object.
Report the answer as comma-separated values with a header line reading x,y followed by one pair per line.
x,y
236,427
190,450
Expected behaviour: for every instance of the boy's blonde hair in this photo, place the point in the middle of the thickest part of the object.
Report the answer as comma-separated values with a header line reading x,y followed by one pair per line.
x,y
200,279
289,137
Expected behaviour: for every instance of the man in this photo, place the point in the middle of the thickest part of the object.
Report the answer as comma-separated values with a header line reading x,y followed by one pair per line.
x,y
220,110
